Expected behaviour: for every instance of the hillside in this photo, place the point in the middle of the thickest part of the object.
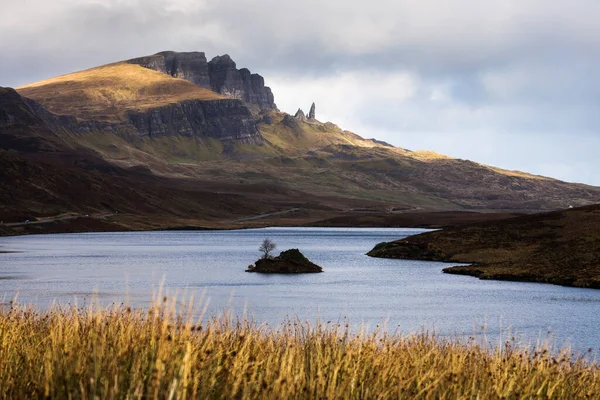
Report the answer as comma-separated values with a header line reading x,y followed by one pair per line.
x,y
561,247
106,93
321,158
179,121
44,175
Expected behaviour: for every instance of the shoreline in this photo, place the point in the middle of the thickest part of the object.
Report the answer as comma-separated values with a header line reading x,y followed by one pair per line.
x,y
560,248
145,223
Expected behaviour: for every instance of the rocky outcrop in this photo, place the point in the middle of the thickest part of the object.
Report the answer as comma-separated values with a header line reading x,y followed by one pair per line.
x,y
219,119
300,116
311,113
220,75
21,128
292,123
191,66
227,80
15,109
288,262
266,119
226,120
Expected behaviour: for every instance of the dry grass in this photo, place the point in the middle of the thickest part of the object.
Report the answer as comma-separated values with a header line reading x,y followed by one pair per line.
x,y
309,136
426,155
106,93
519,174
157,353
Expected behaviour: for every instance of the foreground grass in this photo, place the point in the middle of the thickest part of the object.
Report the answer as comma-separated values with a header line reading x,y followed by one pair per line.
x,y
157,353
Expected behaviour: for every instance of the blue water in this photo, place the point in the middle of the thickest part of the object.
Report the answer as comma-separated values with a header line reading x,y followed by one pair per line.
x,y
402,295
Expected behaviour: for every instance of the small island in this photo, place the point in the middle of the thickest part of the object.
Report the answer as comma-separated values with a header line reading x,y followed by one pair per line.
x,y
288,262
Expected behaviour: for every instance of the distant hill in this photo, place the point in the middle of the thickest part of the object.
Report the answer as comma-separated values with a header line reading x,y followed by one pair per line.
x,y
180,119
561,247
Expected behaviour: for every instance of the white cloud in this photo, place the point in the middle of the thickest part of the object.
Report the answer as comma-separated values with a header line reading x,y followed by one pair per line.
x,y
343,95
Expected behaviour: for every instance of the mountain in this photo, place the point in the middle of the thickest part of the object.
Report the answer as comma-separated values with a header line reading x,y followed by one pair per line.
x,y
133,101
180,121
42,173
219,75
560,247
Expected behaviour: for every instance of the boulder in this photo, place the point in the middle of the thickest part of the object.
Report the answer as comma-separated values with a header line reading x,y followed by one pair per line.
x,y
288,262
292,123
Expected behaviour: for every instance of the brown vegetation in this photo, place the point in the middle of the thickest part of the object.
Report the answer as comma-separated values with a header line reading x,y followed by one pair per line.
x,y
561,247
163,352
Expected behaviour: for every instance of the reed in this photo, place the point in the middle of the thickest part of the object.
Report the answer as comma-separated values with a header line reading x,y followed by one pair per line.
x,y
163,352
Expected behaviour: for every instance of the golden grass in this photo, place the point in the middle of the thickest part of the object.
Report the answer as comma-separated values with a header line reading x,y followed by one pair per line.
x,y
426,155
106,93
310,136
519,174
158,353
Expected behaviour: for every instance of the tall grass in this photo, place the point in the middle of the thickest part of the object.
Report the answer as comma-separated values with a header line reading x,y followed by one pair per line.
x,y
161,353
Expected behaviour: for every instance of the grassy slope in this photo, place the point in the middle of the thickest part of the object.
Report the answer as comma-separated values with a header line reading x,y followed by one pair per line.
x,y
106,93
124,353
316,157
561,247
54,174
322,158
310,156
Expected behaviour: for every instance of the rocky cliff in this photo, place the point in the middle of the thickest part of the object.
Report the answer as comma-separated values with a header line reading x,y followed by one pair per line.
x,y
14,109
21,129
312,114
191,66
227,120
226,79
220,75
220,119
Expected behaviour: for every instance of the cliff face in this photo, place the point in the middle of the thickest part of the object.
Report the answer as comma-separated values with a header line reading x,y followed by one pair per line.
x,y
220,75
191,66
226,120
226,79
220,119
21,129
14,109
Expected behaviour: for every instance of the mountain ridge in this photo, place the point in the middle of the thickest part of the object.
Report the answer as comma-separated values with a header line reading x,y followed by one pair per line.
x,y
138,119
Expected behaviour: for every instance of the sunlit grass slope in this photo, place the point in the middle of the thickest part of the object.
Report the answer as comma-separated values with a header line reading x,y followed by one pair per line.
x,y
106,93
123,353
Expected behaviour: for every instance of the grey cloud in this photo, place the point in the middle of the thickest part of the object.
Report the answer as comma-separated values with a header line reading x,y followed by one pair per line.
x,y
480,69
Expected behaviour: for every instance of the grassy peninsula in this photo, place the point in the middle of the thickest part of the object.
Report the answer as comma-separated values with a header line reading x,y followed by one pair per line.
x,y
561,247
156,353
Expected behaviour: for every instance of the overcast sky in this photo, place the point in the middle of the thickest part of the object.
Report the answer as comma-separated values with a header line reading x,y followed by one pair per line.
x,y
509,83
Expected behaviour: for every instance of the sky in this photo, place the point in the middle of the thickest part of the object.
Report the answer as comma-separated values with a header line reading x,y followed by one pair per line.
x,y
514,84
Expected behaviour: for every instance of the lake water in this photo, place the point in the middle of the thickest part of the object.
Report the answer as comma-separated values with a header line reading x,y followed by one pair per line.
x,y
405,295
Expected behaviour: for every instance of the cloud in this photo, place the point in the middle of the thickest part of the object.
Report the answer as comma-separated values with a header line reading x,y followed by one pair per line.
x,y
510,83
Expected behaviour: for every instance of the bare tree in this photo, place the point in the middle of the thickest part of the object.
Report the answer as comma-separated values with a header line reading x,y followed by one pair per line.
x,y
267,247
